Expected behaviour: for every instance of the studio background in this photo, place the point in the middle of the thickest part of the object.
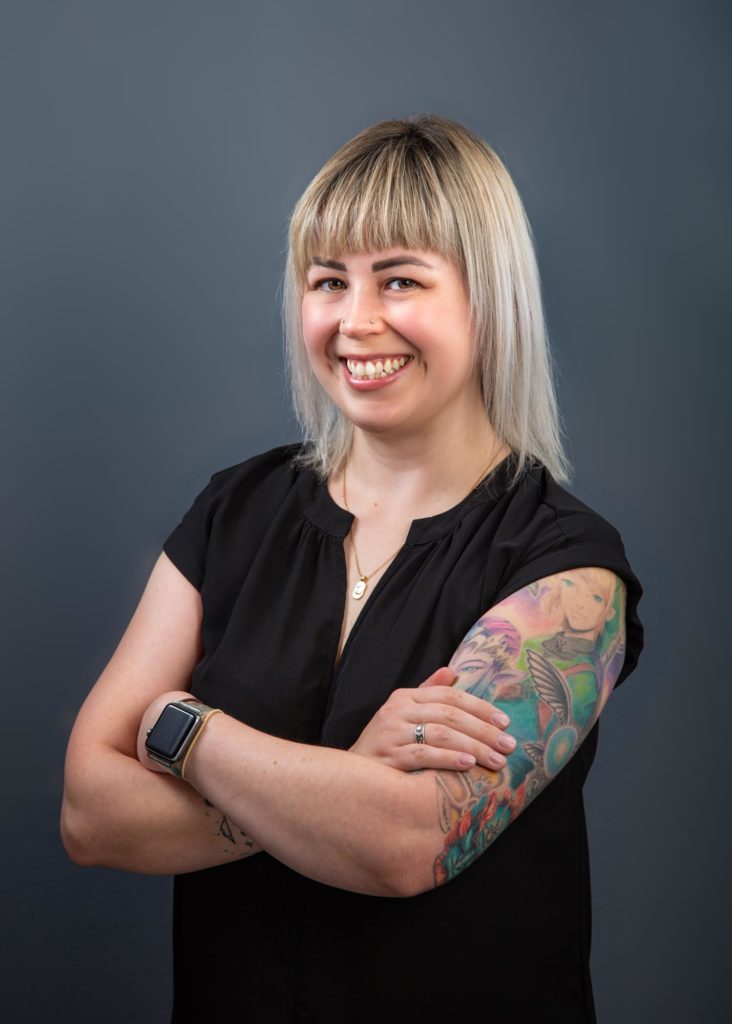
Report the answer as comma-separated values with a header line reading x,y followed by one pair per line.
x,y
151,154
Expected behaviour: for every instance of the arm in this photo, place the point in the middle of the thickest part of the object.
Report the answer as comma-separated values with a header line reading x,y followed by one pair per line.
x,y
117,814
550,653
114,811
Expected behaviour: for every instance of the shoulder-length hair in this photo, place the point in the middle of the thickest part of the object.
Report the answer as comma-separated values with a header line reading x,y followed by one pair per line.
x,y
429,183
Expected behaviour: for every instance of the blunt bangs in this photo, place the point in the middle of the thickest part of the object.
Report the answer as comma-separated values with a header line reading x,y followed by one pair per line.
x,y
390,197
429,183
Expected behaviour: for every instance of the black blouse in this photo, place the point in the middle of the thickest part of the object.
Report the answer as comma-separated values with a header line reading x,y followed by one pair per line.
x,y
256,941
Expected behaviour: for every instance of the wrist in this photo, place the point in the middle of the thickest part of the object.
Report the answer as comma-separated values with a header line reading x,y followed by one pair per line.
x,y
173,734
208,714
200,753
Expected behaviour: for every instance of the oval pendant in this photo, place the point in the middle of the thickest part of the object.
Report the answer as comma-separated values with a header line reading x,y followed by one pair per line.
x,y
359,590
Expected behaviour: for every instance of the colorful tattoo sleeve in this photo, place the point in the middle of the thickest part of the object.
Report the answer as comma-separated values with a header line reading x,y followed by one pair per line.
x,y
549,657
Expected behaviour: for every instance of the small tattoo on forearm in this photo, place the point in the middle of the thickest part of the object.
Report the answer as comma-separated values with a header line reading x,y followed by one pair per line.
x,y
225,830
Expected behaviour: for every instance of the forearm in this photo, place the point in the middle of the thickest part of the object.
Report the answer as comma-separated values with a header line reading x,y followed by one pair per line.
x,y
117,814
360,825
332,815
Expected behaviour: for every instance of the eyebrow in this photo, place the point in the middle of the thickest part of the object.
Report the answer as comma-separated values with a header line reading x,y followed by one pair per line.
x,y
395,261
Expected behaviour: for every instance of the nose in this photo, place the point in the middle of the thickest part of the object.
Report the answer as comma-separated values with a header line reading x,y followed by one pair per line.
x,y
357,328
362,314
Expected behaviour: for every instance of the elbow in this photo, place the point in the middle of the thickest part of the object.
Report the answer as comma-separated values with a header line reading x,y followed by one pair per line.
x,y
409,871
413,884
76,837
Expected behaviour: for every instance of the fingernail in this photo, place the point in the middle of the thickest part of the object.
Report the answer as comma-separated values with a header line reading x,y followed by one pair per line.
x,y
500,719
467,760
497,761
507,742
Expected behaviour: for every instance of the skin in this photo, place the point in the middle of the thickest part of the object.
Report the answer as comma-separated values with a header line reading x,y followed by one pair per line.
x,y
360,825
342,817
420,310
117,814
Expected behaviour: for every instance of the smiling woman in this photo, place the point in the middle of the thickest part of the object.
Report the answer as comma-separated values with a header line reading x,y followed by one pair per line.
x,y
364,319
371,664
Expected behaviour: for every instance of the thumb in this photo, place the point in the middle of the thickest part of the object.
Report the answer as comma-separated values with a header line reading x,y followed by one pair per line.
x,y
442,677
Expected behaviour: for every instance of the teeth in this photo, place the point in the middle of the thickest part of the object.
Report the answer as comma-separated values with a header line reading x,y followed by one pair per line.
x,y
376,370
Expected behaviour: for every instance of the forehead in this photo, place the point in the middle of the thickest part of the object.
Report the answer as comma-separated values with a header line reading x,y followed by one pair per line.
x,y
597,581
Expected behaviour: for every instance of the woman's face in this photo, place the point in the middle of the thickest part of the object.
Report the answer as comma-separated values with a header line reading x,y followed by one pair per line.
x,y
587,600
387,334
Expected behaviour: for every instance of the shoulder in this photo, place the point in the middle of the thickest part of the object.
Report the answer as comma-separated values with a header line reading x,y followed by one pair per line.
x,y
269,474
275,463
542,520
547,530
576,521
233,510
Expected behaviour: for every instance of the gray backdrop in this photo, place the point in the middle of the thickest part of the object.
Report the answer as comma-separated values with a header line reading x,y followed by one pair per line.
x,y
151,152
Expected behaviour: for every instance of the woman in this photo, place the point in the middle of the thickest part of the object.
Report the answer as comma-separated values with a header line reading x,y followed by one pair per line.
x,y
306,593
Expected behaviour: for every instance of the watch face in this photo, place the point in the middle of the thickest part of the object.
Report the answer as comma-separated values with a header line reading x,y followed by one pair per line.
x,y
170,731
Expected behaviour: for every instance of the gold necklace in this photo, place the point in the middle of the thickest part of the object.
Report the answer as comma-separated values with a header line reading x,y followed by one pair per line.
x,y
363,580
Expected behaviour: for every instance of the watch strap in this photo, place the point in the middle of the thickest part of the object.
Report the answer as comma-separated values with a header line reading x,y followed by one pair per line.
x,y
205,718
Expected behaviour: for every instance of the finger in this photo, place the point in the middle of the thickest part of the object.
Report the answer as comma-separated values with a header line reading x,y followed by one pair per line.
x,y
461,721
467,702
442,677
487,744
418,757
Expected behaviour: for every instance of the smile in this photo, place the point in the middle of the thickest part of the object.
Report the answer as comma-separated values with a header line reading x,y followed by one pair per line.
x,y
376,369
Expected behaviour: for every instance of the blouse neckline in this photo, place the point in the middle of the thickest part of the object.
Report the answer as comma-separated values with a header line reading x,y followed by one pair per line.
x,y
321,510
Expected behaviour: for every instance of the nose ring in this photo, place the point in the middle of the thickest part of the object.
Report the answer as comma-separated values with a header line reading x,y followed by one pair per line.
x,y
372,322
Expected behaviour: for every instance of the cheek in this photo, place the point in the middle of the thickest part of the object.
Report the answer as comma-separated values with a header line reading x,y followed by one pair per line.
x,y
316,328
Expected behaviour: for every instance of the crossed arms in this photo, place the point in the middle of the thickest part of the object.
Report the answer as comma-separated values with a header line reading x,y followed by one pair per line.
x,y
548,655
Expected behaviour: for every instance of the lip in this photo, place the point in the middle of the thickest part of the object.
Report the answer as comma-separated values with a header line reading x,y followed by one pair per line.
x,y
361,384
374,356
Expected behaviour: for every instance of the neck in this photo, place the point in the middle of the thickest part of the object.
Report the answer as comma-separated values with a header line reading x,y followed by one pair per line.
x,y
428,473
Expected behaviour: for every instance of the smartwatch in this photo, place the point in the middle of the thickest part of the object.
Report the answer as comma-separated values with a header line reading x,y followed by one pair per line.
x,y
172,737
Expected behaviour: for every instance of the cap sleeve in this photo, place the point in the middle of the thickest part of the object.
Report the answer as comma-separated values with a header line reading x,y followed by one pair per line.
x,y
187,545
573,537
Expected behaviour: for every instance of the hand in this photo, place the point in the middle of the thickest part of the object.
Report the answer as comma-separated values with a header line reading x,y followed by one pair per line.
x,y
150,716
460,729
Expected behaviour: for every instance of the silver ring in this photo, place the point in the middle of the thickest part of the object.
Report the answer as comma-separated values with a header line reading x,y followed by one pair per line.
x,y
419,733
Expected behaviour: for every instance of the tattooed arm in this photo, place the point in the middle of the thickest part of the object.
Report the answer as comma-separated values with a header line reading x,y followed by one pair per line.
x,y
549,655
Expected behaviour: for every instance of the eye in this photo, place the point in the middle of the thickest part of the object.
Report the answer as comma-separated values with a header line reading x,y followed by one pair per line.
x,y
470,667
403,284
325,284
597,598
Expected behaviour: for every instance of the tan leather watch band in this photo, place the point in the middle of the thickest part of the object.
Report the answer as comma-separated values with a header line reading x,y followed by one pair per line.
x,y
207,714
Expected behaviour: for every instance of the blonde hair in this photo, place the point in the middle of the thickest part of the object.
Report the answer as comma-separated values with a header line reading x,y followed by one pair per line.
x,y
429,183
